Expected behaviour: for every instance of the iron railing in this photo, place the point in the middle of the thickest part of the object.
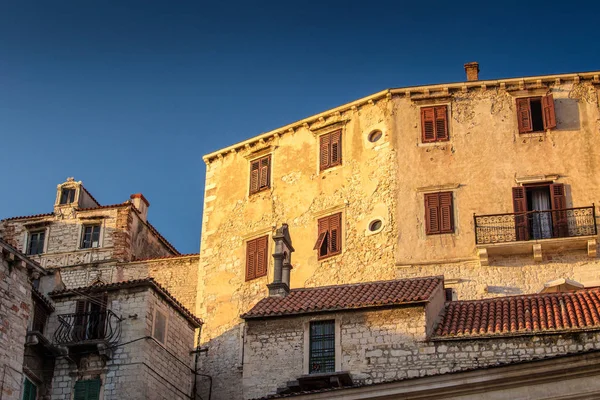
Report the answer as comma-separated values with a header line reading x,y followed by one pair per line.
x,y
82,328
534,225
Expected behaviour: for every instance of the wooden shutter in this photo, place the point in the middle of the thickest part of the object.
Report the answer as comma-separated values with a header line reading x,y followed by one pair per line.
x,y
336,148
560,227
87,389
524,116
323,230
251,260
265,175
441,123
335,233
520,209
446,213
548,112
254,176
324,144
432,213
427,124
261,256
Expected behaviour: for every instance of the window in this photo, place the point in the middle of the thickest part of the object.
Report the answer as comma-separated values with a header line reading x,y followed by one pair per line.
x,y
91,236
29,390
256,257
322,347
260,174
329,241
540,211
434,124
159,327
36,242
536,114
87,389
67,196
40,316
330,150
439,214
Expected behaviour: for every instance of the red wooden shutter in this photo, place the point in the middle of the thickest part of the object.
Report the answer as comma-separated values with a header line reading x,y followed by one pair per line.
x,y
524,116
322,237
520,209
265,172
432,213
261,256
427,124
324,151
254,176
446,213
250,260
560,226
548,112
336,148
441,123
335,229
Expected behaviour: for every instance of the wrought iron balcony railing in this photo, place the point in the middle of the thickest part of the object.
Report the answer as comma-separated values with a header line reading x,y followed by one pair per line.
x,y
90,327
534,225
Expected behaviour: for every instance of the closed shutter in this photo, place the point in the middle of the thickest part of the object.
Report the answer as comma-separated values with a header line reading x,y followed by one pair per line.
x,y
520,209
250,260
254,176
524,116
446,213
335,227
548,112
324,144
427,124
80,325
87,390
560,227
336,148
432,213
265,172
261,256
441,123
29,390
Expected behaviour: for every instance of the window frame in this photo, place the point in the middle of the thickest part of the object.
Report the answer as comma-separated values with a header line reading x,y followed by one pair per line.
x,y
30,234
434,109
428,198
70,190
262,174
548,113
252,249
166,330
326,161
82,240
33,387
306,367
324,235
86,389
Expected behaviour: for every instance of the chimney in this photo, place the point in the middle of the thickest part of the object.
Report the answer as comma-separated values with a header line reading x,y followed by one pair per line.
x,y
280,287
140,202
472,70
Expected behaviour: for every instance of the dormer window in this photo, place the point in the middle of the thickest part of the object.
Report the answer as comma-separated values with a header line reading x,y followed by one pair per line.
x,y
91,237
67,196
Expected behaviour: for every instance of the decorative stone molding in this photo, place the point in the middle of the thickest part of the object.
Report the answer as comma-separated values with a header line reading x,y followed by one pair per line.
x,y
537,252
483,257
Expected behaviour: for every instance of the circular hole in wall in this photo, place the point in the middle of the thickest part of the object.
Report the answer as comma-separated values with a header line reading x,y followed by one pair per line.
x,y
375,136
375,225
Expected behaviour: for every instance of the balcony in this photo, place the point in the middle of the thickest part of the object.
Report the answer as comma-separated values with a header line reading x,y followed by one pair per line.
x,y
534,231
96,328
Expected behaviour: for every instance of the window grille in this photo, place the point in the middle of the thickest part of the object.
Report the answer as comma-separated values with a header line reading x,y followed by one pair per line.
x,y
322,347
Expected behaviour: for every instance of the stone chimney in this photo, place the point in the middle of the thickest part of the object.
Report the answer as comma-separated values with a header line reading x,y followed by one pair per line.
x,y
140,202
472,70
282,256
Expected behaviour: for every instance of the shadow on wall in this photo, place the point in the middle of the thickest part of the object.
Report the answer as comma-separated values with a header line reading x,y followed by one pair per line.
x,y
567,115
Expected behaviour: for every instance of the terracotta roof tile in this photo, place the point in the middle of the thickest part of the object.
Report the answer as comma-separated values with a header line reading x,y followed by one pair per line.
x,y
29,216
526,314
352,296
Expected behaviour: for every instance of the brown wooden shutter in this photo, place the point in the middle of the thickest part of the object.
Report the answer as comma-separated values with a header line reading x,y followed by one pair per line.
x,y
323,227
524,116
446,213
265,172
427,124
325,143
432,213
335,229
336,148
250,260
261,256
548,112
520,209
254,176
441,123
80,322
560,226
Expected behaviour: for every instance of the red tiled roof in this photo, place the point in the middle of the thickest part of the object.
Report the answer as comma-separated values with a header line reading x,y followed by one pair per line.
x,y
29,216
101,207
517,315
149,282
352,296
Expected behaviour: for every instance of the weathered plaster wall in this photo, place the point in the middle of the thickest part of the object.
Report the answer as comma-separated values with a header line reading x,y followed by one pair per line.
x,y
144,242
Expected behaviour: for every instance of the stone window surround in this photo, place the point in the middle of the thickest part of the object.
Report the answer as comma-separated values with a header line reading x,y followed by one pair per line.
x,y
80,228
453,188
32,229
68,185
255,235
157,308
430,103
327,212
317,133
306,341
368,232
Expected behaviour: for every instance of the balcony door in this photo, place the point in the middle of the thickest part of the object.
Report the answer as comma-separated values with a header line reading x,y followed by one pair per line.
x,y
90,318
539,211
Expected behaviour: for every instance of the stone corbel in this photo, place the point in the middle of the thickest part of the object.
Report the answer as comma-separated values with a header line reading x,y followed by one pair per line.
x,y
591,248
537,252
483,257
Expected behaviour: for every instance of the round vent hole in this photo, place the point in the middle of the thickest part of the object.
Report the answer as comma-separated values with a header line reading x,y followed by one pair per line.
x,y
375,225
375,136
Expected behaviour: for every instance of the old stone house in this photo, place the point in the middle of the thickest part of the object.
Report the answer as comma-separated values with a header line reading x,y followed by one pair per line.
x,y
476,181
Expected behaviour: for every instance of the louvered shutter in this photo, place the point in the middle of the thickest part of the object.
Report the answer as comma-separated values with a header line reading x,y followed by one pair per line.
x,y
323,230
250,260
336,148
548,112
560,227
441,123
524,116
265,172
520,209
93,389
324,144
446,213
335,229
80,390
80,324
261,256
254,176
432,213
427,124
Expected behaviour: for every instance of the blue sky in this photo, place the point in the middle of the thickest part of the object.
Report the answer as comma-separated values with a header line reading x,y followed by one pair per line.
x,y
127,96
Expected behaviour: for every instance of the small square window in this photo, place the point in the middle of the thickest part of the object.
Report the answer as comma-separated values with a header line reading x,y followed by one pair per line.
x,y
36,242
260,174
91,237
159,327
67,196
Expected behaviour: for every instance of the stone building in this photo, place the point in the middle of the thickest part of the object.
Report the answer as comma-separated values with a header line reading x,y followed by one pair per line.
x,y
475,180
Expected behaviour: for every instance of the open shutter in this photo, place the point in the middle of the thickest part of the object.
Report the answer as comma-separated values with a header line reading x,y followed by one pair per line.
x,y
335,229
520,209
265,172
446,213
560,226
336,148
261,256
254,176
524,116
441,123
250,260
322,244
548,112
324,151
427,124
432,213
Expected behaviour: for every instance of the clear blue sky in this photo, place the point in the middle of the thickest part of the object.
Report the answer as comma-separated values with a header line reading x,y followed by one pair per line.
x,y
128,95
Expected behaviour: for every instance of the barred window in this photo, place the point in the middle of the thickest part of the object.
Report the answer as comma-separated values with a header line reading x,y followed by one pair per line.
x,y
322,347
